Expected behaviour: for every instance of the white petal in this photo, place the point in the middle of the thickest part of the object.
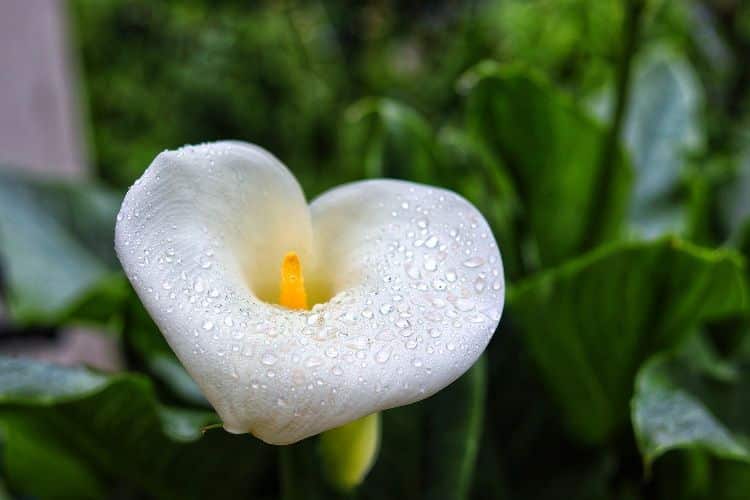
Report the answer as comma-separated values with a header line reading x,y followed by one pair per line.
x,y
416,274
424,281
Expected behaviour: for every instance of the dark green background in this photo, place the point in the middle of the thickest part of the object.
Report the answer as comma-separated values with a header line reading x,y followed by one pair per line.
x,y
606,142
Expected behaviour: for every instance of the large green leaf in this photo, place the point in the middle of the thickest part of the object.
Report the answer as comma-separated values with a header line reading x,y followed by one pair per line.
x,y
384,138
469,168
72,433
573,197
661,128
734,200
679,406
590,324
454,421
56,249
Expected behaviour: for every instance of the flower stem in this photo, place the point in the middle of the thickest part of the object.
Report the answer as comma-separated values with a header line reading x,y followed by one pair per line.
x,y
602,193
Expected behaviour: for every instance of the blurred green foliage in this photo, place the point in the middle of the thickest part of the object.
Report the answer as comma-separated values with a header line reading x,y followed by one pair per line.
x,y
605,141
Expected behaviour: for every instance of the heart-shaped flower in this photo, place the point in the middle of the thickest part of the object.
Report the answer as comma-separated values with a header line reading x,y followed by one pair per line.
x,y
405,284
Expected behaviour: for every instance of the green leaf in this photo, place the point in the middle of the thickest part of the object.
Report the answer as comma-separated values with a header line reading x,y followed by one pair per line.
x,y
734,200
680,406
454,421
56,249
554,152
589,324
469,168
388,139
70,432
661,127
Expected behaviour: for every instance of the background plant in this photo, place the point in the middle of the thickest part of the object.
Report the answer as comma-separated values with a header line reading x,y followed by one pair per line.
x,y
604,140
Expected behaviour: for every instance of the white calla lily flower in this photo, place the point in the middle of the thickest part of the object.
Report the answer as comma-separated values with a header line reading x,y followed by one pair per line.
x,y
405,284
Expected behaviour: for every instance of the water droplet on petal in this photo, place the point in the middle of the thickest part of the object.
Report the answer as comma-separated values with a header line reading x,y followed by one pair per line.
x,y
383,355
413,271
430,263
465,305
439,284
312,362
268,359
474,262
403,323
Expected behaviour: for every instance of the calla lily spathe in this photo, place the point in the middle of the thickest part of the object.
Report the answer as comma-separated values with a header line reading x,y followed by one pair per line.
x,y
405,282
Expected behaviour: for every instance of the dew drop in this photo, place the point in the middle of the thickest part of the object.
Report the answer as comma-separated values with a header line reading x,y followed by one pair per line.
x,y
313,319
474,262
430,263
312,362
439,284
358,344
386,308
431,242
465,305
413,271
268,359
208,325
383,355
403,323
416,362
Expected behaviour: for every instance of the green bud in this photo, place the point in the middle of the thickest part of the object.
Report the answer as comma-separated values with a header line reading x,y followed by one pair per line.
x,y
349,452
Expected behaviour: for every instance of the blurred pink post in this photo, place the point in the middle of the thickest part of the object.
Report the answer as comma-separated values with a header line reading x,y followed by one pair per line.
x,y
39,113
40,131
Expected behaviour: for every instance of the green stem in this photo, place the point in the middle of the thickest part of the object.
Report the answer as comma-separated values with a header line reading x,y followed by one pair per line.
x,y
602,188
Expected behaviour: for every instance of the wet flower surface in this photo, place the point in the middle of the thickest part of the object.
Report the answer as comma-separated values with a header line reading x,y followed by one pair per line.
x,y
404,284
